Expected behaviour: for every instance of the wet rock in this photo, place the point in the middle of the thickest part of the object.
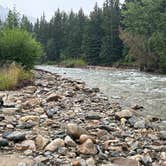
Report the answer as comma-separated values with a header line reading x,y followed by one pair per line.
x,y
70,142
41,142
15,136
140,124
3,142
124,114
163,135
55,144
29,118
75,131
87,147
125,162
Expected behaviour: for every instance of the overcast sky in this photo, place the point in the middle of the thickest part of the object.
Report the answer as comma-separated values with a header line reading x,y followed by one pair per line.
x,y
36,7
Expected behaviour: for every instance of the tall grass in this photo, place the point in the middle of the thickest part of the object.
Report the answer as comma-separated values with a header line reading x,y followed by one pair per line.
x,y
74,63
12,75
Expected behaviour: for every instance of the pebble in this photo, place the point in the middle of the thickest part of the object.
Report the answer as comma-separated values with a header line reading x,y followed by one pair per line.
x,y
70,142
87,147
54,145
58,121
124,114
3,142
15,136
75,131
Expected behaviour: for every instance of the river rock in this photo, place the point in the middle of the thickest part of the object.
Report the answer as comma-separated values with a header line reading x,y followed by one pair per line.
x,y
41,142
140,124
90,162
125,162
29,118
133,120
163,163
9,126
51,112
69,141
84,137
93,116
3,142
30,89
30,143
53,97
163,135
15,136
55,144
124,114
87,147
10,111
2,117
75,131
39,110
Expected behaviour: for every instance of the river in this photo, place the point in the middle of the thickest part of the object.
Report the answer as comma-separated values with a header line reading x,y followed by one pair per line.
x,y
124,86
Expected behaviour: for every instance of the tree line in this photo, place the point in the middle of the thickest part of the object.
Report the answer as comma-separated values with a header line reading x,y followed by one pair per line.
x,y
133,32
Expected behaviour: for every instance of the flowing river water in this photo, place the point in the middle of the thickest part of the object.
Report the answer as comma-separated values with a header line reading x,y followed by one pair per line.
x,y
126,87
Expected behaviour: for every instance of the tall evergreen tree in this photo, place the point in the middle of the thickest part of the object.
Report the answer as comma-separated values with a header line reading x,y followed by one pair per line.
x,y
93,37
26,24
12,20
111,43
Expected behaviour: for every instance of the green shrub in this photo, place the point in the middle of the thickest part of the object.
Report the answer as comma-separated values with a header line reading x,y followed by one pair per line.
x,y
12,75
74,63
19,46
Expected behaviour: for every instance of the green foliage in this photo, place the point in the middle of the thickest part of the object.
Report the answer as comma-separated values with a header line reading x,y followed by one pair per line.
x,y
74,35
145,23
12,75
12,19
19,46
74,63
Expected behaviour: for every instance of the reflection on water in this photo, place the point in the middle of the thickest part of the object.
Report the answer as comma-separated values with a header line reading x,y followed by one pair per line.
x,y
124,86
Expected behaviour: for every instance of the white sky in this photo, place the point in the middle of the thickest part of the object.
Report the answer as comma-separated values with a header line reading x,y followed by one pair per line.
x,y
35,8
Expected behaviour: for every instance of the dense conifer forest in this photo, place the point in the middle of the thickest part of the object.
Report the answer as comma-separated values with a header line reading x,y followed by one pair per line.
x,y
130,33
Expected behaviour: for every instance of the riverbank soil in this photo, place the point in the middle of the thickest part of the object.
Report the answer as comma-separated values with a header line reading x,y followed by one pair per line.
x,y
57,121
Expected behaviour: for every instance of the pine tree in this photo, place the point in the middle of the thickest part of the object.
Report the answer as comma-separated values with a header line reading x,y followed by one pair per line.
x,y
111,43
12,20
93,36
26,24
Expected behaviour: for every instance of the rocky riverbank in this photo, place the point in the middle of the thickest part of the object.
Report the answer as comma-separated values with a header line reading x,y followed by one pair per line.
x,y
60,122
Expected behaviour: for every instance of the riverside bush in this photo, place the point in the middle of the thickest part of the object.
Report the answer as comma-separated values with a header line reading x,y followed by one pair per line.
x,y
74,63
12,75
19,46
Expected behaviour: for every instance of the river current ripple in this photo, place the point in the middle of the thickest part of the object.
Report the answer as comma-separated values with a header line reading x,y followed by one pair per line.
x,y
123,86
